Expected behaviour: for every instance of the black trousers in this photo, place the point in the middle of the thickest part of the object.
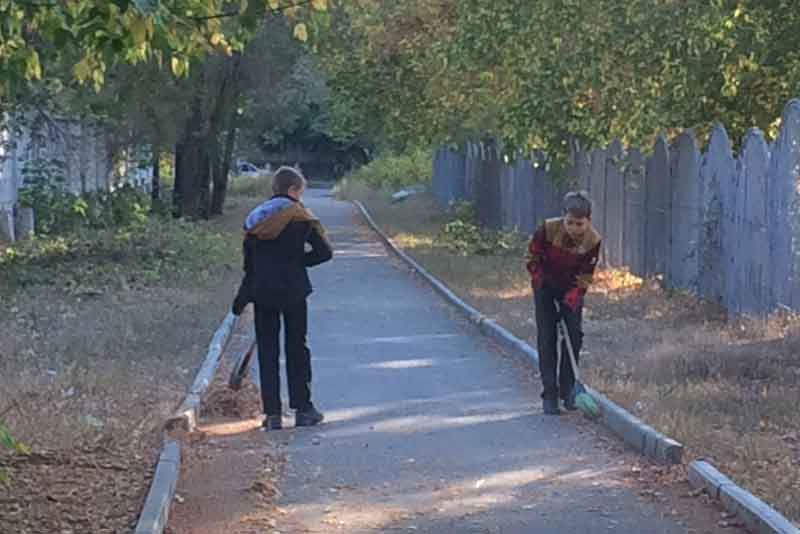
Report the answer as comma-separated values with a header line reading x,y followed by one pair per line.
x,y
298,356
556,382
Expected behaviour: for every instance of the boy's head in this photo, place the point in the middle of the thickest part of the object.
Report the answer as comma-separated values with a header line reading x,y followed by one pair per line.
x,y
290,182
577,213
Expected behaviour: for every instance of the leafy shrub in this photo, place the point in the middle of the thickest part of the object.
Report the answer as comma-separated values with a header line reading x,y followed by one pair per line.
x,y
58,211
397,171
465,236
140,253
8,443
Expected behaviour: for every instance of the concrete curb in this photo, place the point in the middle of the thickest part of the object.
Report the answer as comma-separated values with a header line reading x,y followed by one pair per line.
x,y
186,416
634,432
155,514
755,513
642,437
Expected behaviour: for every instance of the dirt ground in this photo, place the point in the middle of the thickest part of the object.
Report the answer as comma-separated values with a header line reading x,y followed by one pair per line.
x,y
727,388
97,351
230,469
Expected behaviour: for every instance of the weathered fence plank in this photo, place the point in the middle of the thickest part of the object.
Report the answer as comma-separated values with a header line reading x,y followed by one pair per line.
x,y
489,193
472,169
527,179
597,183
506,196
448,183
615,206
752,276
718,166
520,185
791,122
513,200
658,199
785,209
438,180
457,172
539,192
685,225
635,221
582,168
552,194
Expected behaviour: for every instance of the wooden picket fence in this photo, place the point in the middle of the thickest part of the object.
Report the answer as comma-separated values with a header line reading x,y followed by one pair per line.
x,y
722,226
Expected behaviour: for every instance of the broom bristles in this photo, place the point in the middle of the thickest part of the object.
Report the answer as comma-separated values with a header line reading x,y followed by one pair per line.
x,y
586,404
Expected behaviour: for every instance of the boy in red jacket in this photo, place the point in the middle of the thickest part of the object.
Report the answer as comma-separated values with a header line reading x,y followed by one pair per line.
x,y
563,255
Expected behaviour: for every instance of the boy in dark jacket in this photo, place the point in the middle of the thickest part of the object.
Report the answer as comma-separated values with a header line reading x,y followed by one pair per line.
x,y
562,257
276,281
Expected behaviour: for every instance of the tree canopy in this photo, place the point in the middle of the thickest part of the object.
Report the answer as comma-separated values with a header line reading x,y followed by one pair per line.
x,y
92,35
537,74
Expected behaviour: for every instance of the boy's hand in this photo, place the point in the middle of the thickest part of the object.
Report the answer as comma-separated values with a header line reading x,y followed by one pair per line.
x,y
238,306
573,299
537,279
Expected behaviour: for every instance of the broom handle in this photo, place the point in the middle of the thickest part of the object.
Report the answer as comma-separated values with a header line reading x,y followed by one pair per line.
x,y
564,331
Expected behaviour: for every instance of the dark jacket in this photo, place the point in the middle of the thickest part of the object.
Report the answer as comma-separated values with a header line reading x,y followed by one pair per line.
x,y
276,269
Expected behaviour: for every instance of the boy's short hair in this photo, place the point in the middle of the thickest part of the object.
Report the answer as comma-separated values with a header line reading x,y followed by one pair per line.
x,y
286,178
578,204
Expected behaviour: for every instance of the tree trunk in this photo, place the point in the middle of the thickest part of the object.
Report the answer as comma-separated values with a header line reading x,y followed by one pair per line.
x,y
203,208
221,173
191,168
155,190
180,174
192,179
224,115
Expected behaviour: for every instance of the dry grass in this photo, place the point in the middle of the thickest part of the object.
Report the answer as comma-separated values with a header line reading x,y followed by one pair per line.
x,y
252,186
97,350
728,389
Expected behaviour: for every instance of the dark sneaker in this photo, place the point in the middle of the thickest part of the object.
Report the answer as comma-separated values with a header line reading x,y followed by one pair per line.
x,y
569,402
272,422
550,407
309,417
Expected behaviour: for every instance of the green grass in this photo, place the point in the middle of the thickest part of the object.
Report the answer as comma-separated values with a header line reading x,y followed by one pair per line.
x,y
90,260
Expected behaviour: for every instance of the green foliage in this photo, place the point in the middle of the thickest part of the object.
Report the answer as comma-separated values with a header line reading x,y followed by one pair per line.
x,y
8,443
101,238
380,71
537,75
397,171
464,210
464,235
58,212
87,260
92,35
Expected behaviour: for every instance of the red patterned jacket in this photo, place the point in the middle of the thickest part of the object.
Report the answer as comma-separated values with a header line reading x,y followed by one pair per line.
x,y
559,261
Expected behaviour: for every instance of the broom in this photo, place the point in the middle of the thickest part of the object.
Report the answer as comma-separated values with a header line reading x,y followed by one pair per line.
x,y
583,400
241,367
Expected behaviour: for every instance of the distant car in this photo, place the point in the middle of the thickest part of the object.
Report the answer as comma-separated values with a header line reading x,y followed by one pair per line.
x,y
245,168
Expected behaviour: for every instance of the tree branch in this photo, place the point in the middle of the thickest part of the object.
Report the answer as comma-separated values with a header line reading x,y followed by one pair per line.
x,y
226,14
236,13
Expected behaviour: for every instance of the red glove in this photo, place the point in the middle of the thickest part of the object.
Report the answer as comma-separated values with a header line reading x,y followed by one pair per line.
x,y
537,279
573,299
